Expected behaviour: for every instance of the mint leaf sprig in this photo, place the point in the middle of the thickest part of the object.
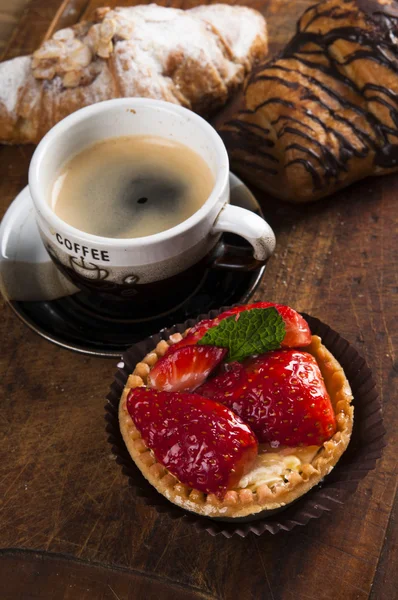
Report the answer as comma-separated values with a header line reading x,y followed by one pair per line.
x,y
250,332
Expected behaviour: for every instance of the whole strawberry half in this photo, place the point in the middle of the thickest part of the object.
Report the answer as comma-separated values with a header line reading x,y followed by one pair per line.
x,y
201,442
185,369
280,394
297,330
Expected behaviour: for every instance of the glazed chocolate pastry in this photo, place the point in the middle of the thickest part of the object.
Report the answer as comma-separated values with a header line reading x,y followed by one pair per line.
x,y
324,112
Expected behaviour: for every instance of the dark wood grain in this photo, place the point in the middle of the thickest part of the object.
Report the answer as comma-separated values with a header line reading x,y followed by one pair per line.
x,y
35,22
68,13
385,583
42,573
63,493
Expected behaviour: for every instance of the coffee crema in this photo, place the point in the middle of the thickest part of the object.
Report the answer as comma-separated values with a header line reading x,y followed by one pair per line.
x,y
131,186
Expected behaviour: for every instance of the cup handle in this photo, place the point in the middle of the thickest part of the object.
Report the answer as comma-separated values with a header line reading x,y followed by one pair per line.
x,y
250,226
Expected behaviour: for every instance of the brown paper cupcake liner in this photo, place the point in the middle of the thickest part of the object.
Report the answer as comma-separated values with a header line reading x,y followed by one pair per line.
x,y
365,447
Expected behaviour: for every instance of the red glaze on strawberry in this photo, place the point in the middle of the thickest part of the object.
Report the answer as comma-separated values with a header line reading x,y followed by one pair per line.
x,y
280,394
195,333
297,334
203,443
186,368
228,384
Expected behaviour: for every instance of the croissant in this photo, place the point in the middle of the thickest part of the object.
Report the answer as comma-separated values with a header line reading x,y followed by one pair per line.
x,y
324,113
195,58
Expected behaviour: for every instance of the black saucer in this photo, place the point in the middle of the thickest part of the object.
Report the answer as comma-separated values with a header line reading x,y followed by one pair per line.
x,y
78,322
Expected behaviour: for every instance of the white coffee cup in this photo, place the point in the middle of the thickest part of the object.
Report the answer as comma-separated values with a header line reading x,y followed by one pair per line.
x,y
121,265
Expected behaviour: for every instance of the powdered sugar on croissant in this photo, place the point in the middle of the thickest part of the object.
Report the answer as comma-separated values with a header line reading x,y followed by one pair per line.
x,y
195,58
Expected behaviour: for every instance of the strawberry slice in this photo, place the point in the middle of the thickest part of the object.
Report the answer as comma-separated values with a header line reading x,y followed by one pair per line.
x,y
195,334
280,394
186,368
202,443
297,334
227,386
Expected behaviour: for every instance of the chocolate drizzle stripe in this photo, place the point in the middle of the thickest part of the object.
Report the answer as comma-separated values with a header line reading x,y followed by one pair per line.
x,y
255,142
295,131
290,84
252,136
317,181
289,118
378,88
309,52
231,137
381,59
253,165
313,8
275,100
247,125
331,164
393,112
333,13
305,150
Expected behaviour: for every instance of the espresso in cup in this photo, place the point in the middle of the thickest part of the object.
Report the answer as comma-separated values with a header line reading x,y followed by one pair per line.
x,y
131,186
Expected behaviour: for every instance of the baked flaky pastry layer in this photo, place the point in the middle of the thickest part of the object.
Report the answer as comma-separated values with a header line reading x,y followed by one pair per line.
x,y
279,487
195,58
323,113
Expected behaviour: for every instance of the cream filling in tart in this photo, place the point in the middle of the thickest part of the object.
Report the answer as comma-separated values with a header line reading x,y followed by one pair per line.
x,y
279,475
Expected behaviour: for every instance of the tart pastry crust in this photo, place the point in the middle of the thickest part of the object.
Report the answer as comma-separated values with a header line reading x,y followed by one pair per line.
x,y
278,477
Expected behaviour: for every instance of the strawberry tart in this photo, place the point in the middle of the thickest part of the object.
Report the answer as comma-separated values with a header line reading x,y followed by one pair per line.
x,y
241,415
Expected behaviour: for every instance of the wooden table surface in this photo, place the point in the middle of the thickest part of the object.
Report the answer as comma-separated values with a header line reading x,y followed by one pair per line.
x,y
70,526
10,13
